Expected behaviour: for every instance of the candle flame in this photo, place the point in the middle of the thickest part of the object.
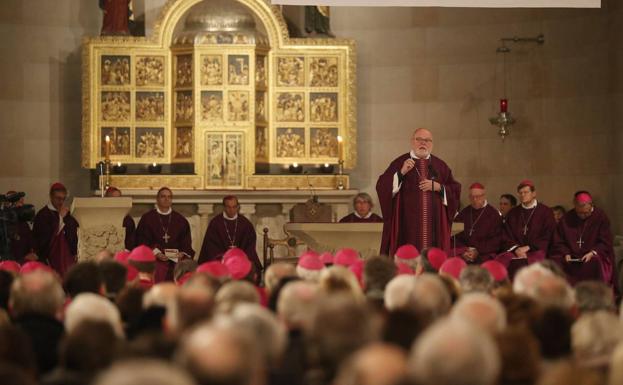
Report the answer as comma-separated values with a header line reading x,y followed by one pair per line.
x,y
107,138
118,164
295,164
154,164
339,138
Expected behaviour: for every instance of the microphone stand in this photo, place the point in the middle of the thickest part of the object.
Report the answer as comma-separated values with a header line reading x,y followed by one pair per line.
x,y
432,174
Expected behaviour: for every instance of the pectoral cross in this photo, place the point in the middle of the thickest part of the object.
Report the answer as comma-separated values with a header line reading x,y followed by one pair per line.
x,y
166,238
579,242
525,230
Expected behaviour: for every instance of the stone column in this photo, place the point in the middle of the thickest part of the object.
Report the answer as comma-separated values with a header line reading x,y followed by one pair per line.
x,y
205,211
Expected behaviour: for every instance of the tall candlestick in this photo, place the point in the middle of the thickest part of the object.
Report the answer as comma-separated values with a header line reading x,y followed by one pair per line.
x,y
107,151
340,147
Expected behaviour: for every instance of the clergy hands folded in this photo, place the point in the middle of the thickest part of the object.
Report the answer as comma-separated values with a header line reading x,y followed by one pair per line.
x,y
31,257
588,256
522,252
63,211
162,257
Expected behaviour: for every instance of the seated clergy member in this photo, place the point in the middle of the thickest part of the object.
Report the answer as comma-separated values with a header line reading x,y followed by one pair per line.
x,y
167,233
527,232
128,222
227,231
582,242
55,232
362,204
507,202
482,235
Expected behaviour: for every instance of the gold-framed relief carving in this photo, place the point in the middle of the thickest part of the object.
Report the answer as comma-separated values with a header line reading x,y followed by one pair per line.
x,y
260,106
224,161
290,71
290,142
238,70
211,70
323,107
115,70
290,107
150,106
115,106
149,142
233,159
183,70
323,72
184,106
260,71
323,142
183,143
149,71
261,144
119,141
238,106
212,105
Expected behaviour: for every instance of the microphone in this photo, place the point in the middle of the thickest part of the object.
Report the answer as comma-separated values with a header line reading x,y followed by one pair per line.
x,y
432,173
312,192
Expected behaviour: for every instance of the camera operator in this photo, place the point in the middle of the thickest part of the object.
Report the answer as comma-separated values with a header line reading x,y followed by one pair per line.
x,y
20,235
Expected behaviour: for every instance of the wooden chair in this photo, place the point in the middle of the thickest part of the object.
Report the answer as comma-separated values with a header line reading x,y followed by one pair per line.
x,y
290,242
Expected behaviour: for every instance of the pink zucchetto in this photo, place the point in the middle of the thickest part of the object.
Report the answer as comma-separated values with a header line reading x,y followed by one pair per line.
x,y
122,256
10,266
234,252
31,266
185,277
214,268
346,257
453,267
496,269
239,266
477,186
524,183
142,253
310,261
584,198
357,269
407,251
326,258
436,257
131,273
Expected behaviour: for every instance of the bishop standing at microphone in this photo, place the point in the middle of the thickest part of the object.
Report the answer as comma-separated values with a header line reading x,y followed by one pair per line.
x,y
418,197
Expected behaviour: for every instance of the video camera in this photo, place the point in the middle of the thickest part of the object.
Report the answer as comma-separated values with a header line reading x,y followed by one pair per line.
x,y
10,215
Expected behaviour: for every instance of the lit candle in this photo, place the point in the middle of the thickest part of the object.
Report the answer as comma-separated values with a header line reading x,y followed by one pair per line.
x,y
326,165
503,105
154,164
107,153
340,147
118,164
295,165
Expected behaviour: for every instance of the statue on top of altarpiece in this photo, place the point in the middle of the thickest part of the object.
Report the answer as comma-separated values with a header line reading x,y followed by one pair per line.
x,y
317,20
116,17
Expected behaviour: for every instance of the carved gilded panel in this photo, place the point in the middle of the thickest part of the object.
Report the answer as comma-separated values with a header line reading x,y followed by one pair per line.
x,y
115,70
290,107
211,70
212,106
150,71
150,106
290,71
238,70
323,107
238,106
115,106
183,143
323,142
119,141
290,142
150,143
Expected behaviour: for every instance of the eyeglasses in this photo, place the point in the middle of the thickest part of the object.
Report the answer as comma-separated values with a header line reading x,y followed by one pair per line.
x,y
423,140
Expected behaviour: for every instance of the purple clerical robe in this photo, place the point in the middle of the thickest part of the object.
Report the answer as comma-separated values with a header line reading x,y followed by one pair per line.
x,y
58,248
408,214
21,241
161,232
526,227
482,231
577,237
223,234
130,229
352,218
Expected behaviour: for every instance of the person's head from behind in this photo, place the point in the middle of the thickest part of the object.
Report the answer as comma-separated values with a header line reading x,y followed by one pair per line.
x,y
593,296
144,371
114,276
375,364
37,292
296,304
84,277
275,272
476,279
377,273
90,347
482,311
93,307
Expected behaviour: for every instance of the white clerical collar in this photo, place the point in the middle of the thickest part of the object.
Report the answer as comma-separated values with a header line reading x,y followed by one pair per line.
x,y
530,206
51,207
412,154
366,217
164,212
230,219
483,206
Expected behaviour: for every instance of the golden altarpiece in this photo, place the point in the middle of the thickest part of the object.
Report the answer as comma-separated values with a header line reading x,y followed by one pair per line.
x,y
220,86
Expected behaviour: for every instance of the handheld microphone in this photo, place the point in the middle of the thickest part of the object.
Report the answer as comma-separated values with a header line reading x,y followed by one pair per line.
x,y
432,173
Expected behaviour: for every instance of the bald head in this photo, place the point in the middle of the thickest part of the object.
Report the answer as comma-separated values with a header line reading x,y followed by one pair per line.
x,y
422,142
376,364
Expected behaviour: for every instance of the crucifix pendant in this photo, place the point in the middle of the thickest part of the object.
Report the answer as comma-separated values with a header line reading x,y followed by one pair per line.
x,y
232,246
166,238
579,242
525,230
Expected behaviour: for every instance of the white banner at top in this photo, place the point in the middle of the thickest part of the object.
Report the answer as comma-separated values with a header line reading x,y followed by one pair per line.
x,y
449,3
